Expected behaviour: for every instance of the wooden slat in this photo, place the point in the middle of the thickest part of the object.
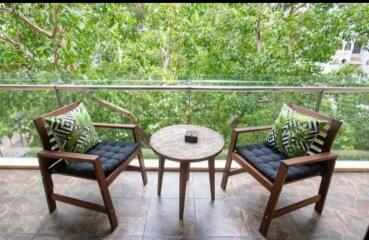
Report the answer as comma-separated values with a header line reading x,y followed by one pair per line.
x,y
78,202
321,157
133,168
253,129
116,108
61,110
67,155
237,171
292,207
76,176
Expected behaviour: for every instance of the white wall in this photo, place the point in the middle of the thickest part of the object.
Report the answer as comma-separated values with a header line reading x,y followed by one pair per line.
x,y
347,55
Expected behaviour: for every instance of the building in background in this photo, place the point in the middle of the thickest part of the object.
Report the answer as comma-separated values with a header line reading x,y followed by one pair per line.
x,y
352,52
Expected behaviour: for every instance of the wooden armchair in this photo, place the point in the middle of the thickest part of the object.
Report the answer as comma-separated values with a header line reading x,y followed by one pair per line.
x,y
102,163
276,170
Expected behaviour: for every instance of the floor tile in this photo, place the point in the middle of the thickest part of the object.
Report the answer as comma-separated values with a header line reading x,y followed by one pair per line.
x,y
235,214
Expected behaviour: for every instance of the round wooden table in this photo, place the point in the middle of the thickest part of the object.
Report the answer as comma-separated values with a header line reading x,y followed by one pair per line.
x,y
169,143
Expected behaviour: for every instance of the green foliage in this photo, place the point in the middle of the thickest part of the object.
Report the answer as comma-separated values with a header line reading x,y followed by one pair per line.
x,y
276,44
173,40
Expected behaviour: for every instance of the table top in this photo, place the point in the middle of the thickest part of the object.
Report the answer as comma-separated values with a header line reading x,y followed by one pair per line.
x,y
169,142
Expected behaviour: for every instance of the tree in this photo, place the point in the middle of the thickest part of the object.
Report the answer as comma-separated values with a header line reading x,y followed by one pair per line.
x,y
277,44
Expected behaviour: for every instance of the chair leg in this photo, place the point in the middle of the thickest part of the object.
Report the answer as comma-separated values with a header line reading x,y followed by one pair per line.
x,y
48,185
160,174
226,172
269,210
324,186
100,177
108,203
142,166
211,163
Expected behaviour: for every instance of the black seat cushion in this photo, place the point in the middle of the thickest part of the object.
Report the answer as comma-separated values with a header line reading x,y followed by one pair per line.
x,y
267,160
112,155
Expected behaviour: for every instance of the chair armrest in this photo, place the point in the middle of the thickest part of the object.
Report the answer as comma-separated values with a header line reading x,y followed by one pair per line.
x,y
253,129
134,127
295,162
321,157
68,155
114,125
237,131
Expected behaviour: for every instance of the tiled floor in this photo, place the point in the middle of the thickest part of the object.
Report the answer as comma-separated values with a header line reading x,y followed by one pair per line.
x,y
235,214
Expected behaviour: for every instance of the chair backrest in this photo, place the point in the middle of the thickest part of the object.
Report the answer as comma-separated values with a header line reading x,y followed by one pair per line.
x,y
43,130
333,130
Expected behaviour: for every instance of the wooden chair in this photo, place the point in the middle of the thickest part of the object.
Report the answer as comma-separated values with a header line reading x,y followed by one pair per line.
x,y
285,170
366,237
97,164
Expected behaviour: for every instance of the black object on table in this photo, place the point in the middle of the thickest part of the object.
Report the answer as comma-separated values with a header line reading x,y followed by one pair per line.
x,y
191,136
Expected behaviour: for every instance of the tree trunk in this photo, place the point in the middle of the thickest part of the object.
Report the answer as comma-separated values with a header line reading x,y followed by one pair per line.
x,y
166,58
258,37
258,31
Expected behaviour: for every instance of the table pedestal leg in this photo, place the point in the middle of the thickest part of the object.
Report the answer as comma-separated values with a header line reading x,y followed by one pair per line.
x,y
189,170
160,173
184,167
211,163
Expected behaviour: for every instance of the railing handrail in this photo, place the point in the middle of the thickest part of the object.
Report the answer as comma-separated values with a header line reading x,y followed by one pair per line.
x,y
73,87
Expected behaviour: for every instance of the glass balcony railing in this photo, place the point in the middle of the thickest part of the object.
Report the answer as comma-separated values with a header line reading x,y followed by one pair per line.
x,y
211,102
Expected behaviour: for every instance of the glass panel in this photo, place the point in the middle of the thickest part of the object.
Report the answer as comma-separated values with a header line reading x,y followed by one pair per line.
x,y
353,110
18,135
154,109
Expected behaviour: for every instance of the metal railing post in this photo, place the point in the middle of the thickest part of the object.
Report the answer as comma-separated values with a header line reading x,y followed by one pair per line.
x,y
58,97
189,110
319,101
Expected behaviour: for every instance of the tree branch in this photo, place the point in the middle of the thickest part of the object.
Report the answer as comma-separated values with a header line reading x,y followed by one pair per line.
x,y
295,7
283,8
258,31
6,38
300,6
166,58
56,29
33,25
7,10
141,9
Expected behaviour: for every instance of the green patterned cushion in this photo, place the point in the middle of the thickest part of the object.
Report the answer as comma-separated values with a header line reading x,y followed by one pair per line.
x,y
294,133
317,145
73,131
